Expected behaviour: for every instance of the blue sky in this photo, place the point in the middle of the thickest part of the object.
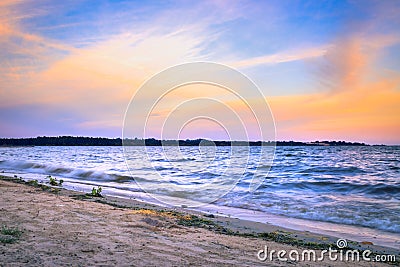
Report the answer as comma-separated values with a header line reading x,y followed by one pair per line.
x,y
75,64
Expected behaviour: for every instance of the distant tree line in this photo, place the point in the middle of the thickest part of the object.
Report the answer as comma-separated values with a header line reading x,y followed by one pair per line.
x,y
61,141
101,141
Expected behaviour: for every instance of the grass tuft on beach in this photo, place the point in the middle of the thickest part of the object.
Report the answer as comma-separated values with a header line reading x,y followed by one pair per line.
x,y
9,235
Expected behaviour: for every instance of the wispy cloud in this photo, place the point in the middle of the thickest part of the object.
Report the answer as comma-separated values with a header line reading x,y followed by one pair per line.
x,y
281,57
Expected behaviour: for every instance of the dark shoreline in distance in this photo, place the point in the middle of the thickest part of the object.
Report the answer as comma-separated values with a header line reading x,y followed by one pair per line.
x,y
101,141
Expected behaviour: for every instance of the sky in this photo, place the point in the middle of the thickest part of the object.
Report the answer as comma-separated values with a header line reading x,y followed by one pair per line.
x,y
329,70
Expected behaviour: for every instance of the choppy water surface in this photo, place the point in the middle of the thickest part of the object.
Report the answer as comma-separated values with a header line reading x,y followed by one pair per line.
x,y
345,185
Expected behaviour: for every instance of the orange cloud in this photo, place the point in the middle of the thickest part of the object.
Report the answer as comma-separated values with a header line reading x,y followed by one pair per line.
x,y
4,29
98,81
355,108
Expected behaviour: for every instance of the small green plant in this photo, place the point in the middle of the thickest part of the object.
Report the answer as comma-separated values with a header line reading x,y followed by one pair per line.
x,y
96,192
9,235
13,231
53,181
33,182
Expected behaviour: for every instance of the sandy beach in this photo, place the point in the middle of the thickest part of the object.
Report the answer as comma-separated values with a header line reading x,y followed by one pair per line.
x,y
58,227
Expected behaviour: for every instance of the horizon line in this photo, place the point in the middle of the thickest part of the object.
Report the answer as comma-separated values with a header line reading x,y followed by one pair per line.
x,y
206,139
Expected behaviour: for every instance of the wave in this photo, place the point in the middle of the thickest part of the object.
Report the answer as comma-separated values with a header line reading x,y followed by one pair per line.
x,y
85,174
333,170
339,187
381,223
181,160
350,215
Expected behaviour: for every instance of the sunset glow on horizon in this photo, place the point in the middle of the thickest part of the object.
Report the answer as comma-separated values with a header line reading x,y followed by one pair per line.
x,y
329,70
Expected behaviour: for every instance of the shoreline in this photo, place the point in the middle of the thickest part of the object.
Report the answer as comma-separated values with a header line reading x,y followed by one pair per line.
x,y
19,198
360,234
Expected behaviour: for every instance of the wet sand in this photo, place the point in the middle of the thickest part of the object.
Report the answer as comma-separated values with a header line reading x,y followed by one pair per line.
x,y
63,228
